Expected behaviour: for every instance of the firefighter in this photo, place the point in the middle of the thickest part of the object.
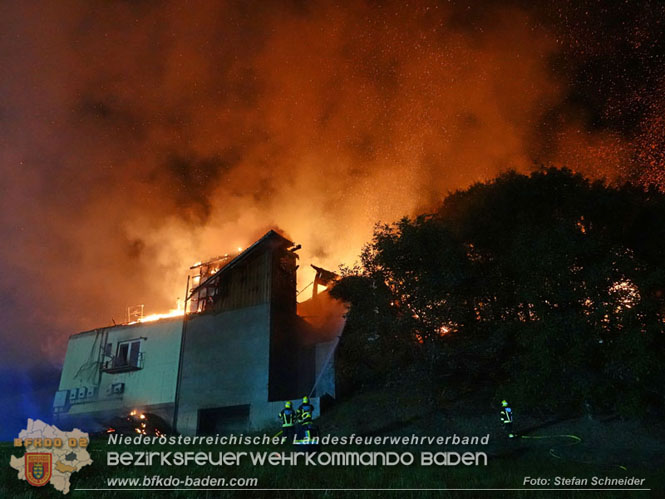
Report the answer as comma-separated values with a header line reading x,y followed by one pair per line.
x,y
305,411
507,418
288,419
307,437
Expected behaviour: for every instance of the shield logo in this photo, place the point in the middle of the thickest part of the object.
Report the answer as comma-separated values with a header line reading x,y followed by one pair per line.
x,y
37,468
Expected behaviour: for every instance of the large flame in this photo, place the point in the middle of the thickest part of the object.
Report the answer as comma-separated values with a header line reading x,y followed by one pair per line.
x,y
156,317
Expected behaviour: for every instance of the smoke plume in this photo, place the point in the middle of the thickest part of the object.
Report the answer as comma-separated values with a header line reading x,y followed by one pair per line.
x,y
138,137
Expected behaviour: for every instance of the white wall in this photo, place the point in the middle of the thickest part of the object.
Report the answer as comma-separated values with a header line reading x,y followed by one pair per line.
x,y
152,385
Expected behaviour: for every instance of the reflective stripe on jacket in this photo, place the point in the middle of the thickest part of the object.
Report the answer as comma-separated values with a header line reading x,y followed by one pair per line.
x,y
287,417
507,415
305,411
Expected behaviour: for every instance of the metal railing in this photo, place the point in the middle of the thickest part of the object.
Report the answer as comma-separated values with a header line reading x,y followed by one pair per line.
x,y
121,364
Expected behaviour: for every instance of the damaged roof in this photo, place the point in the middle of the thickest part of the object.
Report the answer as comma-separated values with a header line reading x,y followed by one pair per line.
x,y
270,235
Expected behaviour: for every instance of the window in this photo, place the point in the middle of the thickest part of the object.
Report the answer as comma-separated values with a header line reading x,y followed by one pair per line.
x,y
128,353
128,357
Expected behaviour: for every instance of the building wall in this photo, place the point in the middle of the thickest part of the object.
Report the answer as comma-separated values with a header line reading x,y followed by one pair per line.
x,y
325,368
225,362
244,284
151,388
243,352
284,344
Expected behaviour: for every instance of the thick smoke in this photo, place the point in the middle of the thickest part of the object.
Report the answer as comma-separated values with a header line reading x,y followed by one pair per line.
x,y
139,137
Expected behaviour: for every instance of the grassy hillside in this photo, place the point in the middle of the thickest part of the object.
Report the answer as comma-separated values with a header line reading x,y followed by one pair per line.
x,y
607,447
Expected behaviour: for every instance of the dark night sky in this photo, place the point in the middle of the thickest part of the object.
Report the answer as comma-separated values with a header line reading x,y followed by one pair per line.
x,y
137,137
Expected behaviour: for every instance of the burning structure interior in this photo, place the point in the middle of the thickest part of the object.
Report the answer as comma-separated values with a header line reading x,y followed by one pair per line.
x,y
242,347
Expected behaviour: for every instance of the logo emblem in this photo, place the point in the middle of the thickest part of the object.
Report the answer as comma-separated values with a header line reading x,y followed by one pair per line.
x,y
37,468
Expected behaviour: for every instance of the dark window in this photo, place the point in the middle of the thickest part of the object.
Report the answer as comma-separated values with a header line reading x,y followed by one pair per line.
x,y
128,354
123,351
134,349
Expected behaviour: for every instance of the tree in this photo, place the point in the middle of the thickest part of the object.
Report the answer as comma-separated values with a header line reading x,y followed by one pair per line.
x,y
547,288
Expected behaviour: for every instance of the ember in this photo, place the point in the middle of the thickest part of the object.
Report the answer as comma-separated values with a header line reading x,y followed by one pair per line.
x,y
137,422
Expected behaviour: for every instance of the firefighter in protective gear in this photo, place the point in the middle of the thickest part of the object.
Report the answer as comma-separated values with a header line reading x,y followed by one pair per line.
x,y
307,437
288,418
507,419
305,411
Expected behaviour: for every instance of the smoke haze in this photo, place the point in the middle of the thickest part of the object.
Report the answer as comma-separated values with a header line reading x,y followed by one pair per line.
x,y
137,137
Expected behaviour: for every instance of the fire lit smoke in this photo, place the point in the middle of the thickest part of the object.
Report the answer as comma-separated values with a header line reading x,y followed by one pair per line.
x,y
140,137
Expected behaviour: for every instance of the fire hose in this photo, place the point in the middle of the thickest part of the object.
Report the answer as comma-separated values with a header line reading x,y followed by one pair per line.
x,y
576,440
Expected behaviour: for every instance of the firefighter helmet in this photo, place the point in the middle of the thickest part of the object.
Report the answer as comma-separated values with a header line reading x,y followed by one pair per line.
x,y
288,404
504,403
305,400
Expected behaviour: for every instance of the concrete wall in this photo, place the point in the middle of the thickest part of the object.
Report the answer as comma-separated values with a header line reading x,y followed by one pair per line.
x,y
325,368
225,363
151,388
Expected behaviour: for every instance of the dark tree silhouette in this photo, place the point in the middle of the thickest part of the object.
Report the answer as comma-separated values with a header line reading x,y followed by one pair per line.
x,y
548,289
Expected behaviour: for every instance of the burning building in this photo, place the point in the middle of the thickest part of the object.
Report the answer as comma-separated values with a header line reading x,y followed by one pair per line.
x,y
241,346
